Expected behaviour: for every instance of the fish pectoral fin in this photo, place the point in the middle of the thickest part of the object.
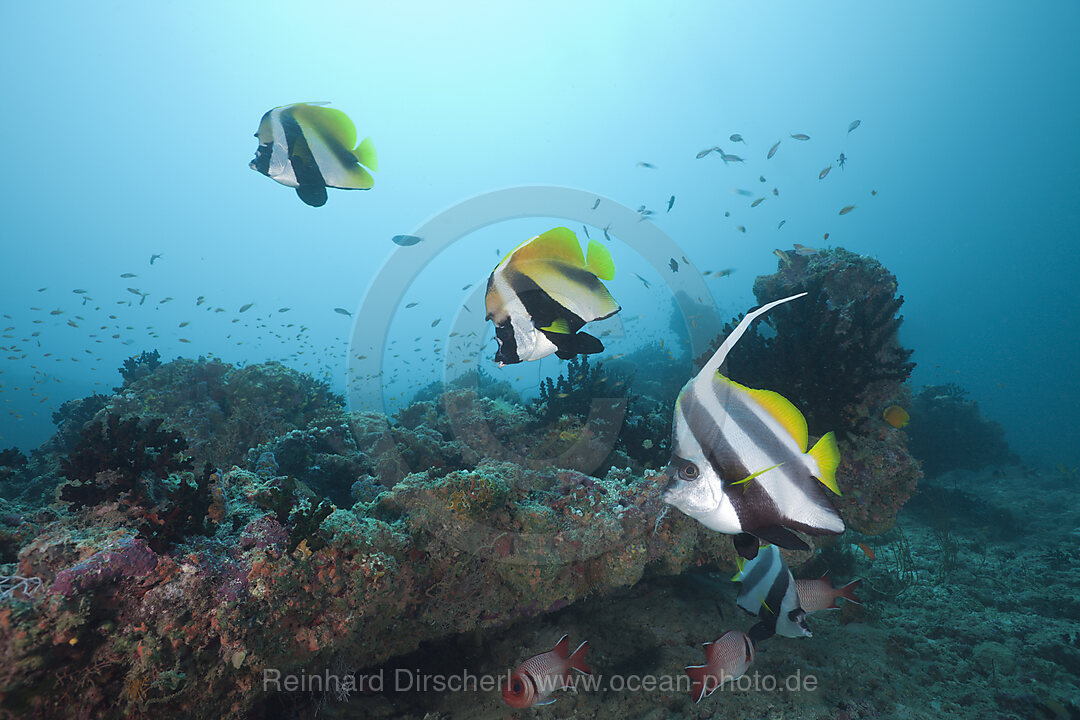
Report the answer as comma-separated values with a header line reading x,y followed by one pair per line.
x,y
827,455
751,476
781,537
567,346
313,195
560,326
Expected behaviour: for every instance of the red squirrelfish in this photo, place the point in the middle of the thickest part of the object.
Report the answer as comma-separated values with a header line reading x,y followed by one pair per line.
x,y
534,680
819,594
726,659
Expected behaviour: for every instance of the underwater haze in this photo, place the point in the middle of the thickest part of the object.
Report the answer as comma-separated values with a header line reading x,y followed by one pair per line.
x,y
244,430
131,127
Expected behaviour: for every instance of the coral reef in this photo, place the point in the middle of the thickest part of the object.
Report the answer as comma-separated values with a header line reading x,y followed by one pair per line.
x,y
337,536
835,353
139,366
947,432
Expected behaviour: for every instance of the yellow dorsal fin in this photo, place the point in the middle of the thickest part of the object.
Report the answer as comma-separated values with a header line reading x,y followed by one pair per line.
x,y
561,326
785,413
328,122
559,244
827,455
600,263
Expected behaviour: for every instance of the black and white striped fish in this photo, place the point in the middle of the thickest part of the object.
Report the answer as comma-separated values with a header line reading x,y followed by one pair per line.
x,y
310,148
768,591
543,292
739,462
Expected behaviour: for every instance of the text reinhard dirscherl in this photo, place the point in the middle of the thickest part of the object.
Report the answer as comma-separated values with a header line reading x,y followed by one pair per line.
x,y
407,680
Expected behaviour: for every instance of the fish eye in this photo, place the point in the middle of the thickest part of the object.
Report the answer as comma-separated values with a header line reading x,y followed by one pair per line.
x,y
517,686
690,471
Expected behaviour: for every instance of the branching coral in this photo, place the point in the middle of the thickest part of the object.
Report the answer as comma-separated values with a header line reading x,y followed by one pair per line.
x,y
834,353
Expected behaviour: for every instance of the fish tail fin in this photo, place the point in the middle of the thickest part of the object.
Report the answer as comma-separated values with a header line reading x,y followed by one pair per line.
x,y
697,675
827,456
577,659
848,592
365,154
599,261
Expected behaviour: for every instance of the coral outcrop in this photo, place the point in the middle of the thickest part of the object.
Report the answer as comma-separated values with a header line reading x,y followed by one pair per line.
x,y
836,356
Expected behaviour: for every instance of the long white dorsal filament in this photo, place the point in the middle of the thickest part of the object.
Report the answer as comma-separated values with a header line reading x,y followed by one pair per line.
x,y
706,375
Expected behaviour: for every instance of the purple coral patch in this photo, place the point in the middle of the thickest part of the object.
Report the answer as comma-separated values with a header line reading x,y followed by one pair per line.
x,y
131,558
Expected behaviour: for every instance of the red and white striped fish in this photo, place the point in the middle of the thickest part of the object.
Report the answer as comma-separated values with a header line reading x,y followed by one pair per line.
x,y
534,680
726,659
819,594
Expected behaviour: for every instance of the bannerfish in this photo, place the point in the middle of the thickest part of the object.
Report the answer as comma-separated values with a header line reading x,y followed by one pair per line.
x,y
896,416
544,292
854,124
846,209
739,463
801,136
821,175
673,264
767,590
726,659
535,680
310,147
772,150
406,240
819,594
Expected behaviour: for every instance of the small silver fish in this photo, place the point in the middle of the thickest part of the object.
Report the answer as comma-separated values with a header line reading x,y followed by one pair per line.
x,y
406,240
846,209
673,264
650,166
772,150
757,202
821,175
800,136
741,228
776,192
854,124
737,138
411,305
342,311
128,275
781,224
670,203
596,204
245,307
436,321
726,157
704,152
586,231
